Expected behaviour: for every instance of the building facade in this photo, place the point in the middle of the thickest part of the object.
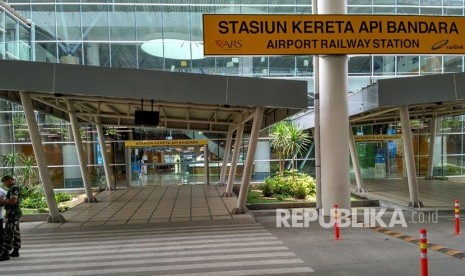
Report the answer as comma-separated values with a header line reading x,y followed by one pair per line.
x,y
167,35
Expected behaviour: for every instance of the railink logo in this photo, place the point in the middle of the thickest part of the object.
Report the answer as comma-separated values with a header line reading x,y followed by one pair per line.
x,y
229,44
372,217
440,44
445,44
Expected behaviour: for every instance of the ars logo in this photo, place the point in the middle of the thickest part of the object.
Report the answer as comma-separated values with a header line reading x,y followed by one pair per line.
x,y
229,44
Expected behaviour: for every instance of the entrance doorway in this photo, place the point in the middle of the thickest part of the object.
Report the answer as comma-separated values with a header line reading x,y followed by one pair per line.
x,y
168,162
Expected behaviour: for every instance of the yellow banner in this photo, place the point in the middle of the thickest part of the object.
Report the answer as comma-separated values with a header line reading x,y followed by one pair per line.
x,y
166,143
254,34
380,137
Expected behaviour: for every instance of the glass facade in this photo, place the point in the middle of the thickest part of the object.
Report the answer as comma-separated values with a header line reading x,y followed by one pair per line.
x,y
167,35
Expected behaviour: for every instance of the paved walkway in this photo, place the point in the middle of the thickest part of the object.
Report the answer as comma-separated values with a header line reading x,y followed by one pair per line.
x,y
153,204
435,194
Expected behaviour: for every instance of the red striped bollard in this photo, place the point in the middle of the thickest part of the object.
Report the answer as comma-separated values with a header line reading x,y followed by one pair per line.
x,y
423,253
336,225
457,217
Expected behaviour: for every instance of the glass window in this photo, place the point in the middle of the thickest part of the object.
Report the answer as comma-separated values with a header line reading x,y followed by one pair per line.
x,y
260,66
95,22
204,66
11,38
24,47
304,65
407,65
453,11
70,53
46,51
97,54
408,10
453,64
430,3
360,10
384,10
2,34
431,65
149,21
282,66
44,18
384,65
384,2
123,55
408,2
359,2
68,22
431,11
122,23
360,65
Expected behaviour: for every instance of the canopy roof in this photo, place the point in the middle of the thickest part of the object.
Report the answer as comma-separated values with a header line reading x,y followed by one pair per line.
x,y
184,101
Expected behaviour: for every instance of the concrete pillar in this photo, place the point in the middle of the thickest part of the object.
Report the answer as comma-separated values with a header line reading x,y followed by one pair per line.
x,y
106,162
80,153
257,122
432,136
316,133
227,149
232,170
54,214
409,158
356,164
334,122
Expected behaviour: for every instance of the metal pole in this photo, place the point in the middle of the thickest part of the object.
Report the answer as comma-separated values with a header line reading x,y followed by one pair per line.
x,y
227,149
240,207
409,158
232,170
103,148
353,154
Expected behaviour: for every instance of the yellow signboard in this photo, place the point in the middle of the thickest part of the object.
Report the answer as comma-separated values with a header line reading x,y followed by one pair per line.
x,y
234,35
380,137
166,143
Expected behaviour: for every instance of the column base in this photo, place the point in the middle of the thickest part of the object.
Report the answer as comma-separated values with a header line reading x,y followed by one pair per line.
x,y
90,200
237,211
57,219
417,204
220,184
361,190
227,194
112,188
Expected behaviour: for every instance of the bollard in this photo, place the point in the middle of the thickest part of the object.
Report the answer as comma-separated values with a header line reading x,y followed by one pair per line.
x,y
457,217
423,253
336,225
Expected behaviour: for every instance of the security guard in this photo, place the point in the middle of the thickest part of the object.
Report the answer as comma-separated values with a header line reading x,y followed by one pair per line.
x,y
12,202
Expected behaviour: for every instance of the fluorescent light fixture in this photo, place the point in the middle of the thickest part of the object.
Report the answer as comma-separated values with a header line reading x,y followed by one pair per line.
x,y
174,48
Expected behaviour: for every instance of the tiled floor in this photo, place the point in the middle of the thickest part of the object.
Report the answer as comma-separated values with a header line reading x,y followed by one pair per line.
x,y
437,194
153,204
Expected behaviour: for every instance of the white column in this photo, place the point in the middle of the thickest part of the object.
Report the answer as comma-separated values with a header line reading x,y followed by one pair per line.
x,y
80,153
432,137
354,156
235,157
334,122
409,158
54,214
316,133
257,122
206,165
227,149
103,148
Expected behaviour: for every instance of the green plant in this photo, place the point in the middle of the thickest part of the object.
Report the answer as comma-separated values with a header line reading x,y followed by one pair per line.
x,y
62,197
299,185
288,140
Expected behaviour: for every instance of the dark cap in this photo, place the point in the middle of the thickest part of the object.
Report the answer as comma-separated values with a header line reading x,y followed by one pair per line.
x,y
6,177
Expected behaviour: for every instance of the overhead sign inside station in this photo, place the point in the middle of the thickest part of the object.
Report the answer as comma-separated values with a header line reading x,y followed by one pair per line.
x,y
379,137
165,143
234,35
